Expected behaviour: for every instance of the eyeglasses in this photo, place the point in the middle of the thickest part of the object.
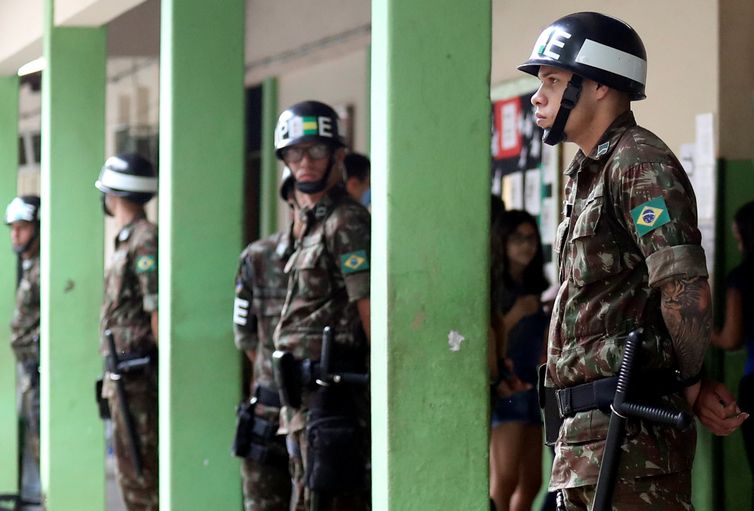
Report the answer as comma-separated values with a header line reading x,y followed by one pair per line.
x,y
296,153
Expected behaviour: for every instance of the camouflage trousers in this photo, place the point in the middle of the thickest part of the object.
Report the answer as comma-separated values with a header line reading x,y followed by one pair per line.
x,y
301,498
667,492
29,387
267,486
140,493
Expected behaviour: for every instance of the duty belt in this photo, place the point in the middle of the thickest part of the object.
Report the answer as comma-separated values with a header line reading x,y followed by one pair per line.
x,y
598,394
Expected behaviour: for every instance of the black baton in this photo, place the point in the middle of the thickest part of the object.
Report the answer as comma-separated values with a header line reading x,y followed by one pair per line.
x,y
114,368
620,411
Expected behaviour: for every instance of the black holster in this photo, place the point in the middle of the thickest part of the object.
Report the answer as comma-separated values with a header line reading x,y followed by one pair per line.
x,y
255,435
103,406
549,405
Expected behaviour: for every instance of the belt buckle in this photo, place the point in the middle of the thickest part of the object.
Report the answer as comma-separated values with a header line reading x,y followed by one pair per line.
x,y
565,404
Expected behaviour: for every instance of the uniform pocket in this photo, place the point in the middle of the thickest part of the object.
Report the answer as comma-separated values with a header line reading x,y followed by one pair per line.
x,y
594,252
313,277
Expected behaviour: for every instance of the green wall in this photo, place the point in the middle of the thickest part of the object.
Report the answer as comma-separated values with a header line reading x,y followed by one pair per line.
x,y
8,177
201,182
73,128
430,181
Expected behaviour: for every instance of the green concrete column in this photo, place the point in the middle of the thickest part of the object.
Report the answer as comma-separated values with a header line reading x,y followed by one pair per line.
x,y
430,250
8,184
73,141
268,194
201,176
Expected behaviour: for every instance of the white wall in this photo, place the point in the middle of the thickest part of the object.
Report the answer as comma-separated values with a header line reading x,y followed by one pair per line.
x,y
680,36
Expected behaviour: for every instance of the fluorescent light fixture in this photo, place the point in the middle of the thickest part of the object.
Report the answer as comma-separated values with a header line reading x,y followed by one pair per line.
x,y
34,66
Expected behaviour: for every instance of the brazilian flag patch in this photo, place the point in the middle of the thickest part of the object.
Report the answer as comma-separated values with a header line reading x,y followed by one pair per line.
x,y
353,262
146,264
650,215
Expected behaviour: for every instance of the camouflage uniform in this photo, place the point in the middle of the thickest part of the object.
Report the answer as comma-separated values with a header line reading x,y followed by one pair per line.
x,y
327,274
25,344
130,299
630,223
260,293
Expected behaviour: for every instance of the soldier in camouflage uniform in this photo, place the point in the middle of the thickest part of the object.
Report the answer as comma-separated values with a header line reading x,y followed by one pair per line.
x,y
22,215
629,257
129,311
328,285
261,286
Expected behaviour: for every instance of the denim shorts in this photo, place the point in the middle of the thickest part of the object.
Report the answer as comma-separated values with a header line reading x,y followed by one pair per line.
x,y
519,407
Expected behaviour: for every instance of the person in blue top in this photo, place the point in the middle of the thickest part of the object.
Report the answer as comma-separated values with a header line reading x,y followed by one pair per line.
x,y
738,329
519,325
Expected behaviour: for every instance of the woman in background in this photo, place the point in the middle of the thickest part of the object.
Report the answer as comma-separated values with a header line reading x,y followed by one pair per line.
x,y
518,333
738,329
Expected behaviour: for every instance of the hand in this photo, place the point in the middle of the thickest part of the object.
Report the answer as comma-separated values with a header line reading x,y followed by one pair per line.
x,y
717,409
511,384
524,306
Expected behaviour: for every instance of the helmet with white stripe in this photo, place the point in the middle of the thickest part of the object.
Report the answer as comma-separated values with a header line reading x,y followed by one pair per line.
x,y
595,46
130,176
23,209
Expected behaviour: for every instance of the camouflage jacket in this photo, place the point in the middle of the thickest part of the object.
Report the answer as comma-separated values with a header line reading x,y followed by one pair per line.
x,y
25,323
131,288
261,286
327,274
630,222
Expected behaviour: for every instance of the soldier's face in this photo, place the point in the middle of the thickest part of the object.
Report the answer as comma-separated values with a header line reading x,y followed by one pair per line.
x,y
546,100
308,168
21,233
522,246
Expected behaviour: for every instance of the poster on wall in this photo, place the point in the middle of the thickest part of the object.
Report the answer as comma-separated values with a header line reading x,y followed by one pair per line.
x,y
524,171
517,152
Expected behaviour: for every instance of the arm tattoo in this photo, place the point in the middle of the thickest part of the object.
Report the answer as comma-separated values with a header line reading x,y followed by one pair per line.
x,y
686,309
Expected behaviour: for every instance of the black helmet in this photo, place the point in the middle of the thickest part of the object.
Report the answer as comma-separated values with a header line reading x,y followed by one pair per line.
x,y
130,176
24,208
308,121
595,46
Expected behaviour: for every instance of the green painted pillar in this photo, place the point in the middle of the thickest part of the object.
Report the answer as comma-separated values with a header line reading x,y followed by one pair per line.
x,y
268,196
201,176
8,184
73,141
430,250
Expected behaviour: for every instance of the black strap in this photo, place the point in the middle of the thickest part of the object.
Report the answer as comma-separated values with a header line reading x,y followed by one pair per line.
x,y
555,134
599,394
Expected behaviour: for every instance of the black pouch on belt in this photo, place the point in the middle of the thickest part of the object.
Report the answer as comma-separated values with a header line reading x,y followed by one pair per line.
x,y
103,407
336,455
548,402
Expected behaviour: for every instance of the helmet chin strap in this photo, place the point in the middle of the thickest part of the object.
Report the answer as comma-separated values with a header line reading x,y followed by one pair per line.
x,y
310,187
555,134
104,206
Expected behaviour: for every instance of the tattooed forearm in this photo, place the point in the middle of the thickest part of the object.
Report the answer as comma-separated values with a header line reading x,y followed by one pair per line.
x,y
686,308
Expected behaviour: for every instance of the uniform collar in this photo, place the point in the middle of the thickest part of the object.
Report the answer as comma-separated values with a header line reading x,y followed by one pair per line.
x,y
606,144
284,247
318,212
126,231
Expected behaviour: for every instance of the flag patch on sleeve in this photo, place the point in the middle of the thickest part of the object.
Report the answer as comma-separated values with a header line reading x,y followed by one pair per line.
x,y
146,263
650,215
353,262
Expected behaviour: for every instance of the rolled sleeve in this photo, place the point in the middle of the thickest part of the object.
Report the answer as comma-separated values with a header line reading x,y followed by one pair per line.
x,y
681,261
150,302
357,285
